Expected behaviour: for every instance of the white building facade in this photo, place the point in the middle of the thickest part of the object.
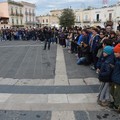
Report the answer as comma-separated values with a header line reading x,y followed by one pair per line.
x,y
29,18
107,15
17,14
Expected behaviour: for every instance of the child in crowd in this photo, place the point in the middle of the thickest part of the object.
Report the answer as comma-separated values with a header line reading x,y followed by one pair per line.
x,y
105,76
115,91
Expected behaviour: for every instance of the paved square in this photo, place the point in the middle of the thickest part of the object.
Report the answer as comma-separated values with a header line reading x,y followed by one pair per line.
x,y
37,84
26,60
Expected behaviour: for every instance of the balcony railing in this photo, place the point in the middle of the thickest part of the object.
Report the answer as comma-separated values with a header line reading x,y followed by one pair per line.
x,y
12,14
21,15
86,21
33,14
17,25
97,21
16,14
26,13
4,22
77,21
30,23
30,13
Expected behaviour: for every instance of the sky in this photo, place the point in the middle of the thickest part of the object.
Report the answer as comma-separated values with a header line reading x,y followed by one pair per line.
x,y
44,6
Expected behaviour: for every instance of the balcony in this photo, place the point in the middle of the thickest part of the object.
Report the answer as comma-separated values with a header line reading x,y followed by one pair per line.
x,y
86,21
30,23
26,13
4,22
12,14
30,13
97,21
17,14
33,14
21,15
17,26
109,22
77,21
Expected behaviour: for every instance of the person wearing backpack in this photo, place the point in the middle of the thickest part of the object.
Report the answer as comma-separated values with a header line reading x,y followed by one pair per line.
x,y
104,76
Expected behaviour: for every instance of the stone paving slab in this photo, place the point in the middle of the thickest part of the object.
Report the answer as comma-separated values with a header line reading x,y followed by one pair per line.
x,y
82,98
51,106
63,115
96,115
4,97
40,98
61,81
57,98
26,115
76,82
12,89
8,81
49,98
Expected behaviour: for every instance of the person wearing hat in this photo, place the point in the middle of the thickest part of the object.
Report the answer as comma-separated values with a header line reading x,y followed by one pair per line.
x,y
105,76
116,79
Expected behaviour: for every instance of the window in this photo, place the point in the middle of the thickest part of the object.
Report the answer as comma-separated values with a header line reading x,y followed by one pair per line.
x,y
46,20
26,11
97,17
110,16
33,12
11,10
78,18
16,11
86,17
20,11
17,21
21,21
30,11
30,19
26,19
12,21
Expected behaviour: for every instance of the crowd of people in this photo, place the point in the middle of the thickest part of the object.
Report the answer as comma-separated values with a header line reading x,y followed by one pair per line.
x,y
94,46
99,48
46,34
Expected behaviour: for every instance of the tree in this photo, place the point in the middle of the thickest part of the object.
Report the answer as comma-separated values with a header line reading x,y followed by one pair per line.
x,y
67,19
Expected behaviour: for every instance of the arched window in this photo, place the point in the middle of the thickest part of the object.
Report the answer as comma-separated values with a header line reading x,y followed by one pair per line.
x,y
11,10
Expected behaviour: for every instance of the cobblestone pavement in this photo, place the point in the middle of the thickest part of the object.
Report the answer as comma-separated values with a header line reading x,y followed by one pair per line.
x,y
37,84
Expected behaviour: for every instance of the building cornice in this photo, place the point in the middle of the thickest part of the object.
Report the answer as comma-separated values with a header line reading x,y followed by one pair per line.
x,y
28,4
14,3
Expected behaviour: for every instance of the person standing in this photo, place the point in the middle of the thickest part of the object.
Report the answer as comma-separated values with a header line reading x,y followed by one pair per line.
x,y
47,36
104,76
115,91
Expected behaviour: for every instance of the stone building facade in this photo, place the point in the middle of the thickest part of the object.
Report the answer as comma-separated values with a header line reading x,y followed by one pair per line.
x,y
18,14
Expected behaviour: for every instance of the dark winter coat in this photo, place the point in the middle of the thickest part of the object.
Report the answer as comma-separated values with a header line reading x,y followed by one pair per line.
x,y
106,69
116,72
